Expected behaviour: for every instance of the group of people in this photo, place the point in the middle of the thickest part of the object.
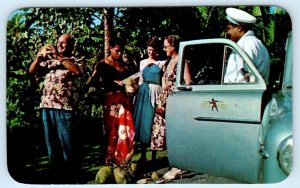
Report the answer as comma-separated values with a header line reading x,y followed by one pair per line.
x,y
126,121
157,81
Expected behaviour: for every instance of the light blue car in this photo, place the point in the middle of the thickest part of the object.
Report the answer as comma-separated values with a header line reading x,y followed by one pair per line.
x,y
230,130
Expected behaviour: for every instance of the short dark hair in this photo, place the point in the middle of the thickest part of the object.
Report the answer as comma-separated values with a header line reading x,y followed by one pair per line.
x,y
153,42
117,41
246,27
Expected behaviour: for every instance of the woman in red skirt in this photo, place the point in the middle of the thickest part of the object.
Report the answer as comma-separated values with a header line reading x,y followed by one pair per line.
x,y
117,108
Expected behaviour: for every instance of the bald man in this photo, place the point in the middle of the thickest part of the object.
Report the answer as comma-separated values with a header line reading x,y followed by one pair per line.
x,y
59,69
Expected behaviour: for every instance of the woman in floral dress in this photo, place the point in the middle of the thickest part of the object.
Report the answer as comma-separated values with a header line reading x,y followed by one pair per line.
x,y
158,137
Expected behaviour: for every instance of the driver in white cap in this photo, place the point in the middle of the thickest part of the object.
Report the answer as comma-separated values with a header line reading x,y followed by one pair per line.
x,y
238,30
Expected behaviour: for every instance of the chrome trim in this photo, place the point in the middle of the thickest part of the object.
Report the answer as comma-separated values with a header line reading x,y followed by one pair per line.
x,y
230,120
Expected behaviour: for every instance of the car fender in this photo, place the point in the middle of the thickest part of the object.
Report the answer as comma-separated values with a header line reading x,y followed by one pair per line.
x,y
279,128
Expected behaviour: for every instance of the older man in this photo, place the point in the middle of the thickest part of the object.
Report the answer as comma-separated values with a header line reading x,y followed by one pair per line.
x,y
239,30
59,68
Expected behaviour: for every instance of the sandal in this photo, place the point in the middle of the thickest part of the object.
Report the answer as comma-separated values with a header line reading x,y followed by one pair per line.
x,y
144,181
172,174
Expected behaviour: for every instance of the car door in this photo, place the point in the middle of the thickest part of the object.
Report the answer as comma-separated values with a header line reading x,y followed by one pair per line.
x,y
211,126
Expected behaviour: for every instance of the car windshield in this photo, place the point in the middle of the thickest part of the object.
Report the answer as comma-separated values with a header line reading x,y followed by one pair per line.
x,y
288,73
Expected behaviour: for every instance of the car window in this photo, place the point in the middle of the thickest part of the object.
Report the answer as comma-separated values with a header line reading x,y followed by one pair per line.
x,y
208,64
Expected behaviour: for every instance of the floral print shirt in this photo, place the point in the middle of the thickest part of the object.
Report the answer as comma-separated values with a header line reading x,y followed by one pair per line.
x,y
57,91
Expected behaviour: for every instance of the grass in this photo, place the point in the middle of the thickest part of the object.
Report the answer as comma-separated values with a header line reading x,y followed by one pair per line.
x,y
28,161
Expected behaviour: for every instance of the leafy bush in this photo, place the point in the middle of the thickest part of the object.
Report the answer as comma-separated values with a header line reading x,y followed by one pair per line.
x,y
28,29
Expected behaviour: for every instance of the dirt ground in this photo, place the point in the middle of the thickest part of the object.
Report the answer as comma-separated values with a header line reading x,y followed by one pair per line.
x,y
28,162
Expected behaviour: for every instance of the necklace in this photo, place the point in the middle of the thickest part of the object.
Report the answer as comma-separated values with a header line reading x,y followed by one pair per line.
x,y
172,63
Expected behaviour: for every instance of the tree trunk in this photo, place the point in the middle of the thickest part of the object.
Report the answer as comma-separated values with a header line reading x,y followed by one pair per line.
x,y
108,21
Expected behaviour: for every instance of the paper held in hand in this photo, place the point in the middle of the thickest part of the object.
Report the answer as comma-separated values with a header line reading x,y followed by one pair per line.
x,y
132,77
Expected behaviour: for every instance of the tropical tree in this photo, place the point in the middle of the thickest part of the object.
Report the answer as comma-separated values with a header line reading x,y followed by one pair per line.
x,y
17,79
28,29
108,14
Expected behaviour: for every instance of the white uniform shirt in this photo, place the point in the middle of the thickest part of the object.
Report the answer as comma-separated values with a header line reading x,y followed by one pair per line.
x,y
257,53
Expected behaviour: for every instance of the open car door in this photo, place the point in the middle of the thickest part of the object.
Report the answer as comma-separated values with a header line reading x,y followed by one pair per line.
x,y
214,127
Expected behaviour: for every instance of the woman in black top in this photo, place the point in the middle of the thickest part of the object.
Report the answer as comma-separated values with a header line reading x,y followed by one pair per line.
x,y
117,107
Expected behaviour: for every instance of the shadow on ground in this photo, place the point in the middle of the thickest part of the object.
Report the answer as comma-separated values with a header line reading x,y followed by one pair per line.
x,y
28,162
27,154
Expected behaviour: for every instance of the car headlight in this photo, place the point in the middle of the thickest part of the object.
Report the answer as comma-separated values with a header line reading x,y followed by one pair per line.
x,y
285,154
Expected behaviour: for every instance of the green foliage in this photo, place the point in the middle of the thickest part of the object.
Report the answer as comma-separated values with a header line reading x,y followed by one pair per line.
x,y
30,28
17,79
27,31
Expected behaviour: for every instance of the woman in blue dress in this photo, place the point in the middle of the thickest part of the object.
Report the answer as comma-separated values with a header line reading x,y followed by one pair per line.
x,y
144,103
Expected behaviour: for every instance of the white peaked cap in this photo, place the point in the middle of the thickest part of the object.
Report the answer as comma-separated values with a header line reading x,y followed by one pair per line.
x,y
237,16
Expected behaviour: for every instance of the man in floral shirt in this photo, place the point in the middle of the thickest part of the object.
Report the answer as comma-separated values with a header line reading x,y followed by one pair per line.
x,y
59,68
